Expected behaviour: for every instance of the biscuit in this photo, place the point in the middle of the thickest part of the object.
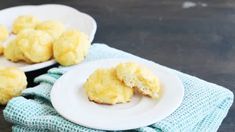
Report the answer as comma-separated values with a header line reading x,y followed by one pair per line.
x,y
53,28
3,33
139,78
13,53
71,47
103,87
12,83
24,22
35,45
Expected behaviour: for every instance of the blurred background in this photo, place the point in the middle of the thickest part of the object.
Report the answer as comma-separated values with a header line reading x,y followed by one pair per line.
x,y
195,37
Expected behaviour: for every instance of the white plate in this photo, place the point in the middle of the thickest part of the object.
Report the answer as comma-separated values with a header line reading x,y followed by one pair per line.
x,y
71,17
70,100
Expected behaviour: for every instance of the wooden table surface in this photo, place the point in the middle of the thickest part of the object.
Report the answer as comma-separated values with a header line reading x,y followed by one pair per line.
x,y
199,40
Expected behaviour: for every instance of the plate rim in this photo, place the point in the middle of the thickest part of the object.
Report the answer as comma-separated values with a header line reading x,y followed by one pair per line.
x,y
38,66
122,59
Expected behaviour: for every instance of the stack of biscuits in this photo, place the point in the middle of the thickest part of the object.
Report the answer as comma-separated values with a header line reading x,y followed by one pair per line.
x,y
38,41
33,41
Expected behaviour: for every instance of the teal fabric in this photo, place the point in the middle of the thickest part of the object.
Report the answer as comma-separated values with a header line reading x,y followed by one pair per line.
x,y
204,106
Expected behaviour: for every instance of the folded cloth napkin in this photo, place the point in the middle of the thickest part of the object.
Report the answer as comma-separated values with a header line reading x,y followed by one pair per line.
x,y
204,106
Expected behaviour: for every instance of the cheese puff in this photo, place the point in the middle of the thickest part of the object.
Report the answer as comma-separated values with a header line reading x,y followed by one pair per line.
x,y
24,22
71,47
139,77
103,87
3,33
12,83
35,45
54,28
13,53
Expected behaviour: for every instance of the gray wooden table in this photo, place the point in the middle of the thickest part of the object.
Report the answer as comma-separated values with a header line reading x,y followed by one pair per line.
x,y
199,40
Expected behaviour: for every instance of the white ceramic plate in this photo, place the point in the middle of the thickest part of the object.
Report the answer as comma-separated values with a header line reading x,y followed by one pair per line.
x,y
71,17
70,100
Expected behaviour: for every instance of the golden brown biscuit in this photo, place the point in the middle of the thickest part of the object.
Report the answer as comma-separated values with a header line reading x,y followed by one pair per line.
x,y
12,82
25,22
103,87
13,53
71,47
31,46
53,28
35,45
138,77
3,33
